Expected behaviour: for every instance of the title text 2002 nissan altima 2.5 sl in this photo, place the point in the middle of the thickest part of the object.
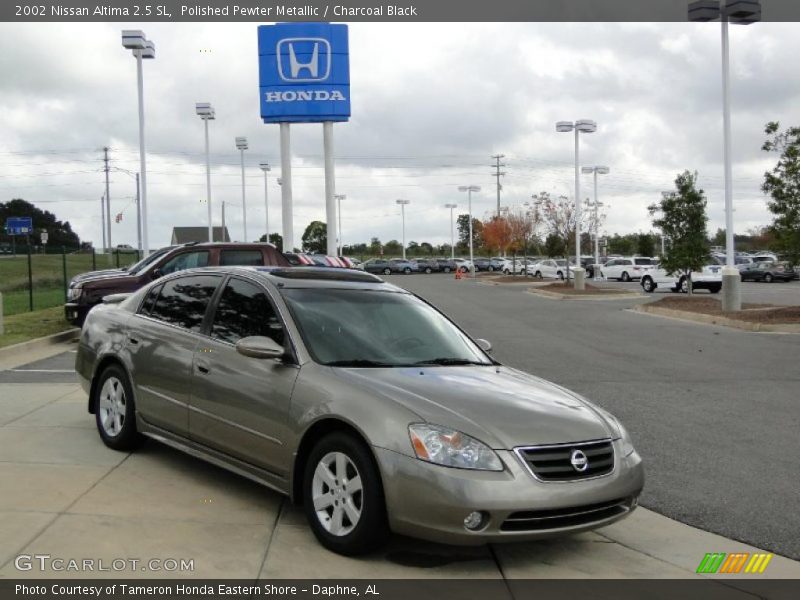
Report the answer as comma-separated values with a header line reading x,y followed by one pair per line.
x,y
359,400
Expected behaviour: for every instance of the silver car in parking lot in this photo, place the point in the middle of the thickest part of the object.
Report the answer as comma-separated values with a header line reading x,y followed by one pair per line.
x,y
357,399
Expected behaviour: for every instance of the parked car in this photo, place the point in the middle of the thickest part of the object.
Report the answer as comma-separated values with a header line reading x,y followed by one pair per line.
x,y
709,278
405,266
356,399
428,265
512,266
87,290
767,272
463,264
488,264
446,264
381,265
626,268
550,268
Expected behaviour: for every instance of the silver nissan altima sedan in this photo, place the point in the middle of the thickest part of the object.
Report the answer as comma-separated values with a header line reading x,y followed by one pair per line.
x,y
360,401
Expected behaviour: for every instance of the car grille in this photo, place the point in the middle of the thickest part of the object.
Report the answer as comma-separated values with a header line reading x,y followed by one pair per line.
x,y
559,518
553,463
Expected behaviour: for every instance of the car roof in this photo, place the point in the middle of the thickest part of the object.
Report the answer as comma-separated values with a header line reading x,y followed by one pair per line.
x,y
307,277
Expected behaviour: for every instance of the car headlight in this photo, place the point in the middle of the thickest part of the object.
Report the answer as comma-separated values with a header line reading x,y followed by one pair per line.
x,y
625,439
450,448
74,293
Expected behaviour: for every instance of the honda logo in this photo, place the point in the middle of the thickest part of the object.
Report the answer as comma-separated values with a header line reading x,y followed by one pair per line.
x,y
304,59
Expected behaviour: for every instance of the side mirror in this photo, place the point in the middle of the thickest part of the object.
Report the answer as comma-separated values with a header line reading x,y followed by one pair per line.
x,y
485,345
257,346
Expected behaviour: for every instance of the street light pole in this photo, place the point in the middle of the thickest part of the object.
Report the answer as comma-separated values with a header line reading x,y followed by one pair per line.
x,y
241,145
597,170
206,112
142,48
579,126
339,198
266,168
469,189
402,204
452,236
742,12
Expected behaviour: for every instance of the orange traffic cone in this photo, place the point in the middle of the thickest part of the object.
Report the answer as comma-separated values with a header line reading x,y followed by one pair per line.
x,y
458,273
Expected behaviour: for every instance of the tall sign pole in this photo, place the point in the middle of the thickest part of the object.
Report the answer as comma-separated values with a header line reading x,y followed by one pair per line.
x,y
304,77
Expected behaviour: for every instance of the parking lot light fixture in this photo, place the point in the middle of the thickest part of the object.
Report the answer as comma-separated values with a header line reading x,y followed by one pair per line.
x,y
579,126
596,170
742,12
402,204
266,169
452,207
469,189
135,40
241,145
206,112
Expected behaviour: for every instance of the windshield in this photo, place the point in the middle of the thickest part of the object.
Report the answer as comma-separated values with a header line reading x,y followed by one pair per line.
x,y
140,266
365,328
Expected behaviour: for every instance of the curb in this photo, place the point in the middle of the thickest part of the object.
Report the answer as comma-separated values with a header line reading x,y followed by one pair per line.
x,y
716,320
557,296
42,342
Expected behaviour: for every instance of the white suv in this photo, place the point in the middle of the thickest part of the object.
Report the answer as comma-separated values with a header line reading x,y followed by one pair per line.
x,y
627,268
710,278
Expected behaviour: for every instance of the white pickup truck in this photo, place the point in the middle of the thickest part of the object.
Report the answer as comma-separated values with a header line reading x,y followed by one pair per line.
x,y
710,278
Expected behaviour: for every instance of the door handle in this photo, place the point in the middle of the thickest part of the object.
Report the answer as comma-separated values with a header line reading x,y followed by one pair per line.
x,y
132,340
203,369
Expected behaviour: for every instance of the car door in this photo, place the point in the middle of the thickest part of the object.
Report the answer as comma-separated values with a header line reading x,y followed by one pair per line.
x,y
611,270
162,338
240,405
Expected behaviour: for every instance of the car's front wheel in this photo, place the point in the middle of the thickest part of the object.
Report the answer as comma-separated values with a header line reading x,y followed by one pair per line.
x,y
428,270
387,271
768,277
343,496
647,285
446,269
114,410
490,268
407,270
625,276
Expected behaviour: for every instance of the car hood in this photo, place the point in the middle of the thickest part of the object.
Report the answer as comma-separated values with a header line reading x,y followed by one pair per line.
x,y
93,276
501,407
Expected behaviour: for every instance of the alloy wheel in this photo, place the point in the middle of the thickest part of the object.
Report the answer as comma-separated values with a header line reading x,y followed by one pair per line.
x,y
112,406
337,493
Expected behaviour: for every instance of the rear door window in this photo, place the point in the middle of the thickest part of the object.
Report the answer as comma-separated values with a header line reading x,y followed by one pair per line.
x,y
183,301
643,261
241,257
185,260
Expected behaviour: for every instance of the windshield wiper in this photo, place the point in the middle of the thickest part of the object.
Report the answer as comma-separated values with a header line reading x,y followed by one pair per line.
x,y
358,362
445,360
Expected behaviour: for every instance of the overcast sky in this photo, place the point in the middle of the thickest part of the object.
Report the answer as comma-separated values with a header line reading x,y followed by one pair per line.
x,y
430,103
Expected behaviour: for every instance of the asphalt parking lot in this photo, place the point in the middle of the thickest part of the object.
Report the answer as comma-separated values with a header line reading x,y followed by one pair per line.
x,y
712,410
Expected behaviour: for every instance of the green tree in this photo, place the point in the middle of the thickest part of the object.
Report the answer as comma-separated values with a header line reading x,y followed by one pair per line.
x,y
315,238
554,245
60,232
681,216
783,186
646,244
375,246
463,231
275,239
621,244
393,248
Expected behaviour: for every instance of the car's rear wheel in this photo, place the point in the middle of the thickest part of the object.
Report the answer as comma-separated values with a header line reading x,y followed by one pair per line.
x,y
768,277
114,410
683,285
506,272
490,268
538,275
428,270
560,275
625,276
407,270
387,271
446,269
343,496
647,285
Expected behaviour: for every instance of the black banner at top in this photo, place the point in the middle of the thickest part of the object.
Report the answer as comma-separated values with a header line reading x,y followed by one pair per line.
x,y
374,10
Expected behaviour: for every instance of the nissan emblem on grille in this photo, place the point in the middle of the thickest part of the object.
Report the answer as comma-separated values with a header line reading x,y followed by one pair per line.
x,y
578,461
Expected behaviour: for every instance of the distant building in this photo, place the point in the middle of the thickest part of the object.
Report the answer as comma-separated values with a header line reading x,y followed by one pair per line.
x,y
184,235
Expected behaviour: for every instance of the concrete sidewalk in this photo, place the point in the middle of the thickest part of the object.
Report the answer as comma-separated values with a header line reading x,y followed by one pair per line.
x,y
64,494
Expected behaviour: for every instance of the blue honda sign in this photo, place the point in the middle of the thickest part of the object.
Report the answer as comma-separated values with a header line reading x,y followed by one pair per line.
x,y
19,225
304,72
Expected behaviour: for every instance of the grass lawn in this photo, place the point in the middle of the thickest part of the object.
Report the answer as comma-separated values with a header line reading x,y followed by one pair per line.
x,y
31,325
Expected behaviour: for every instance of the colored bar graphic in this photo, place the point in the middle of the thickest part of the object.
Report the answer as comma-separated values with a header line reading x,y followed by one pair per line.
x,y
720,562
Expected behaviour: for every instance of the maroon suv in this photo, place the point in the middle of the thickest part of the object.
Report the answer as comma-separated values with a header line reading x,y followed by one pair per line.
x,y
87,290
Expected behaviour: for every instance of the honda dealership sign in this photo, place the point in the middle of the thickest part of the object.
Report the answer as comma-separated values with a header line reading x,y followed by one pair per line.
x,y
304,72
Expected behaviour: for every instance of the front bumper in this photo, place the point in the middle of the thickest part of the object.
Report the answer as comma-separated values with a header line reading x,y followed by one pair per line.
x,y
75,313
430,501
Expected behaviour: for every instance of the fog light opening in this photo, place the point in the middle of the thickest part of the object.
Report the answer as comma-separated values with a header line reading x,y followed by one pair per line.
x,y
476,520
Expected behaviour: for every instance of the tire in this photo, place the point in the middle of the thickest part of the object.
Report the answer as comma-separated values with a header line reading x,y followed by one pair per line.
x,y
560,275
464,270
683,285
387,271
114,410
538,275
446,269
768,278
506,272
490,268
407,270
647,285
367,505
715,289
625,277
428,270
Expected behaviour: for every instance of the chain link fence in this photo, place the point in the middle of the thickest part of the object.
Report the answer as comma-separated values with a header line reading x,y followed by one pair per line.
x,y
36,277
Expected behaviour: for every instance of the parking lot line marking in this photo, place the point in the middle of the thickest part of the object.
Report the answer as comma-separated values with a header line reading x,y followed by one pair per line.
x,y
41,370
